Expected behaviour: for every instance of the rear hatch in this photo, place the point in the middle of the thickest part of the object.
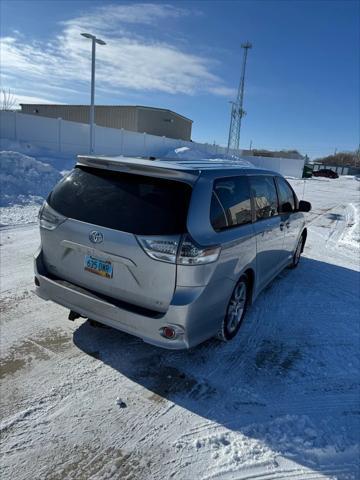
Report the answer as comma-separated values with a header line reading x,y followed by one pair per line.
x,y
102,221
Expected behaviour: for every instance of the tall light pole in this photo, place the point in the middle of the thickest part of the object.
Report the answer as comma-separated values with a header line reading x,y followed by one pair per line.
x,y
94,41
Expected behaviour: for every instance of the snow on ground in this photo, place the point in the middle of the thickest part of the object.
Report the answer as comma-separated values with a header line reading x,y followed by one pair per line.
x,y
281,401
20,214
27,174
58,160
22,176
26,180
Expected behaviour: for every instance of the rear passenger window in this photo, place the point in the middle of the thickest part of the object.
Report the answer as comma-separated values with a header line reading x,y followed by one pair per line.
x,y
286,195
265,197
230,205
217,214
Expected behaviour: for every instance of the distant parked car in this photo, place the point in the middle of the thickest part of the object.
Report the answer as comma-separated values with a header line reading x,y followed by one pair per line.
x,y
172,252
325,172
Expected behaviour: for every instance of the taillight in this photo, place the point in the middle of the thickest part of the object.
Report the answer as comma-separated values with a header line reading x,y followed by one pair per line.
x,y
49,218
188,252
160,248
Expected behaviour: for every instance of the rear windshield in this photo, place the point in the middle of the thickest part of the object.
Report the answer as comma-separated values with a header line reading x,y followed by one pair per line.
x,y
121,201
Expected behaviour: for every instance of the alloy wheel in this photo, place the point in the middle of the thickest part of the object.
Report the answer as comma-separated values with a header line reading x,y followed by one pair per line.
x,y
236,307
298,251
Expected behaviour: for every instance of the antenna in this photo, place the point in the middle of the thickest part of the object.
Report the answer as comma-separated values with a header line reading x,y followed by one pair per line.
x,y
237,111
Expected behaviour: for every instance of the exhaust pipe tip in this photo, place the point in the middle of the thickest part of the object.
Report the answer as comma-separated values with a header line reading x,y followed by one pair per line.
x,y
73,315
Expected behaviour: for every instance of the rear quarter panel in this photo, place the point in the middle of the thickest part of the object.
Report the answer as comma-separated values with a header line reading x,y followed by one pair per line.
x,y
238,253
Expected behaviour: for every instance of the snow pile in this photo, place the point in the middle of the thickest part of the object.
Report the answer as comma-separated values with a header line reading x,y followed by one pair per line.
x,y
351,234
58,160
20,214
24,179
187,153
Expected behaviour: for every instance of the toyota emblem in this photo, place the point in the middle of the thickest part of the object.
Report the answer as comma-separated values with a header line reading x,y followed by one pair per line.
x,y
96,237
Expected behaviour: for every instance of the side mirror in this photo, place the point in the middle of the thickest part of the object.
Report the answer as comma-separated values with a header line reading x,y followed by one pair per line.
x,y
304,206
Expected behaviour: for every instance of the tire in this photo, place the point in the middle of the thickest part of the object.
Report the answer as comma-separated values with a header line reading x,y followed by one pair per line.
x,y
235,311
297,254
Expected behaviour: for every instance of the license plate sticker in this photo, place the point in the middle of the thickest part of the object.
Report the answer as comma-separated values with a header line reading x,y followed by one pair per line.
x,y
99,267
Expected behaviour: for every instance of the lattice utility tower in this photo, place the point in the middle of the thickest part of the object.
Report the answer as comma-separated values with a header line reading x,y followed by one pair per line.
x,y
237,111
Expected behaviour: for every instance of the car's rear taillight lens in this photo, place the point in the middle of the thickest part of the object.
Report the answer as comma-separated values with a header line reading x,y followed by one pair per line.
x,y
160,248
49,218
190,253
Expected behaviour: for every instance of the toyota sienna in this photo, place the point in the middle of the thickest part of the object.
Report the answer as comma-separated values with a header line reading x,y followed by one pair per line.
x,y
170,251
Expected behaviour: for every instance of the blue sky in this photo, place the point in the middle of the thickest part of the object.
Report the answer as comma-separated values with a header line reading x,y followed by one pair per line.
x,y
302,86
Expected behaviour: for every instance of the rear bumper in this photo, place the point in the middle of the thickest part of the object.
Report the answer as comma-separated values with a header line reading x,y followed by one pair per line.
x,y
185,312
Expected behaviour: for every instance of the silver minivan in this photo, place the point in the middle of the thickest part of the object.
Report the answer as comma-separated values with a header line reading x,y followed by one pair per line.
x,y
170,251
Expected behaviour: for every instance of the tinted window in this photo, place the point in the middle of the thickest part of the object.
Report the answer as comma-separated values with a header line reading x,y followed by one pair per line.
x,y
130,203
286,194
217,214
230,205
265,196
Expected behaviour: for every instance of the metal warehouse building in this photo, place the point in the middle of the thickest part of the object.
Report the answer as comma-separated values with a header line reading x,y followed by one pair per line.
x,y
155,121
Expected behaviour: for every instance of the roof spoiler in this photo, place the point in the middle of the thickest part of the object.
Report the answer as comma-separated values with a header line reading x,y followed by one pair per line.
x,y
139,166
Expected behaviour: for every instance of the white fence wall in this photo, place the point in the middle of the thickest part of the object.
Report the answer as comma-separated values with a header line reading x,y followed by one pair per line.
x,y
289,167
73,137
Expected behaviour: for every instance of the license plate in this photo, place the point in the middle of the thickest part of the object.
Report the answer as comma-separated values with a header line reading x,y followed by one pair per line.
x,y
99,267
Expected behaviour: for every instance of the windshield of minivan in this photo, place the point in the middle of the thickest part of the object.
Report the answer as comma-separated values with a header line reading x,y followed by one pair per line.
x,y
130,203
